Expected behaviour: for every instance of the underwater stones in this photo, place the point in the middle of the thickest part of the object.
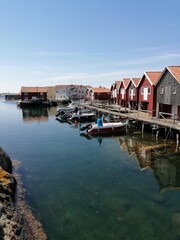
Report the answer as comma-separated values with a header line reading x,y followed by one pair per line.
x,y
176,223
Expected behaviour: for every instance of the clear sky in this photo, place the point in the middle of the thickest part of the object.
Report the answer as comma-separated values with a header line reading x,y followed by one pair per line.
x,y
88,42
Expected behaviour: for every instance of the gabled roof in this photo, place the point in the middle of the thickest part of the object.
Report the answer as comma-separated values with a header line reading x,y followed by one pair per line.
x,y
101,90
33,89
117,84
152,76
135,81
126,82
174,70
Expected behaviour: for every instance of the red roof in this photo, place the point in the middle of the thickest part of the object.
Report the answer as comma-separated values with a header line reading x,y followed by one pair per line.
x,y
117,83
136,81
126,82
153,76
34,89
175,71
101,90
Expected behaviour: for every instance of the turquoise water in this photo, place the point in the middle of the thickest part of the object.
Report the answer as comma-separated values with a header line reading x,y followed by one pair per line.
x,y
92,189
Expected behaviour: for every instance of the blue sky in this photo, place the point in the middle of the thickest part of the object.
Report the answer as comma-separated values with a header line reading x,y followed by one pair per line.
x,y
88,42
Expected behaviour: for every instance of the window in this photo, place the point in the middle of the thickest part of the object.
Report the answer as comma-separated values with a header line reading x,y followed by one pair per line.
x,y
143,89
122,91
173,89
161,89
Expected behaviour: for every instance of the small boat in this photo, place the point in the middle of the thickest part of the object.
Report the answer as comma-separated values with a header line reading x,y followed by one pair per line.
x,y
107,128
82,116
69,108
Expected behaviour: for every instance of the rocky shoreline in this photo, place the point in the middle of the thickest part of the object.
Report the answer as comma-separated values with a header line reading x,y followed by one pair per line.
x,y
16,219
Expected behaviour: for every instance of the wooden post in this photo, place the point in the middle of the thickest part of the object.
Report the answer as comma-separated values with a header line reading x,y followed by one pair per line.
x,y
142,127
177,138
157,134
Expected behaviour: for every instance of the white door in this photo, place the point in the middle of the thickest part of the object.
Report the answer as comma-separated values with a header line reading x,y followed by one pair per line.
x,y
145,94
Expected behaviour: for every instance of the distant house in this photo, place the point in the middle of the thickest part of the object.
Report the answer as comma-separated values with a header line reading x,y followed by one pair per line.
x,y
123,93
61,93
87,93
115,92
51,93
168,93
147,92
133,94
29,93
112,93
76,92
12,96
100,93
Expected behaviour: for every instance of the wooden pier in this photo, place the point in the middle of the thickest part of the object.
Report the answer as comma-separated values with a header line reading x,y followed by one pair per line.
x,y
141,116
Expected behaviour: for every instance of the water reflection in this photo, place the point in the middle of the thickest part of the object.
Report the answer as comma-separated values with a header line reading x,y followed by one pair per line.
x,y
89,137
167,173
37,114
161,157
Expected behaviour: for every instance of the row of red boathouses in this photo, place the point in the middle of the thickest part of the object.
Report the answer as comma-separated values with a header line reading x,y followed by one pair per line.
x,y
156,92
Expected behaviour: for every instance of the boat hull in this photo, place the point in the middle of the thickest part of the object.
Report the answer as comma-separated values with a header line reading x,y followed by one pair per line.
x,y
107,129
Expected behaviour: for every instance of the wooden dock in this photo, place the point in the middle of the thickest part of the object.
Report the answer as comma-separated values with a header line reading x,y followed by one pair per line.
x,y
141,116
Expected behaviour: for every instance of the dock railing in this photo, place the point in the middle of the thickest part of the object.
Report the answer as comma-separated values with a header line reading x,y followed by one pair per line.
x,y
164,119
169,117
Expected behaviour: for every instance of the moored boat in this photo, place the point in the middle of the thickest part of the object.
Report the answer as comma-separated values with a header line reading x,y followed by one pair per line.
x,y
82,116
107,128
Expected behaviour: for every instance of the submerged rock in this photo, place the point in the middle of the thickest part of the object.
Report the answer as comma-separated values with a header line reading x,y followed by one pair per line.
x,y
14,221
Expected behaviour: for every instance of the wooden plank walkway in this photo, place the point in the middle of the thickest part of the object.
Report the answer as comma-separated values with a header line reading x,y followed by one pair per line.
x,y
135,115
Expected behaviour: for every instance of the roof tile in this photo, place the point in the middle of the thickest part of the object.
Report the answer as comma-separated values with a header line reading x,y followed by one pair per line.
x,y
175,71
153,76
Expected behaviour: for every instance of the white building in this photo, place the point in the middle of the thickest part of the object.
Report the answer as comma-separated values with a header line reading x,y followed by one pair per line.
x,y
61,93
76,92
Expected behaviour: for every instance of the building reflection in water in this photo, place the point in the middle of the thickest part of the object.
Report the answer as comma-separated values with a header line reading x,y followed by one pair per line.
x,y
162,158
35,114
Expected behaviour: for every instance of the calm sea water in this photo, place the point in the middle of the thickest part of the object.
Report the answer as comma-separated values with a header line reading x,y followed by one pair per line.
x,y
93,189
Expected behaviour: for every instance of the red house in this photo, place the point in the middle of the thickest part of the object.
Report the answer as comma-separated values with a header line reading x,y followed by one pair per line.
x,y
100,93
29,93
147,92
123,93
115,92
133,94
